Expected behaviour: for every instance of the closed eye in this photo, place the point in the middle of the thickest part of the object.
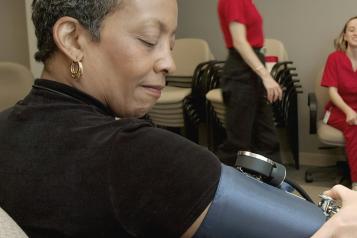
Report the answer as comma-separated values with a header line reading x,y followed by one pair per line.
x,y
147,43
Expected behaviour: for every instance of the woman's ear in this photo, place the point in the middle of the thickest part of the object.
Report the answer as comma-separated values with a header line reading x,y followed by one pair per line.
x,y
66,33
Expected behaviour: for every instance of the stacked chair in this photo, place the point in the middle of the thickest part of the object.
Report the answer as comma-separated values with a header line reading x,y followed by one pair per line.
x,y
215,108
285,111
15,82
173,108
276,48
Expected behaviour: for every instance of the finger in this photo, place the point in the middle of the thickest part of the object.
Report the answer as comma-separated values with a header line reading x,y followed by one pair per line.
x,y
273,98
269,95
280,93
338,192
277,93
272,95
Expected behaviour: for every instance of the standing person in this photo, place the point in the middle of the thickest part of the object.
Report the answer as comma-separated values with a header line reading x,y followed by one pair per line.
x,y
247,86
340,76
77,161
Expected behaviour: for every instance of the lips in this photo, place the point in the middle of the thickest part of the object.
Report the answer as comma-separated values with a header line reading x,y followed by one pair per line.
x,y
154,90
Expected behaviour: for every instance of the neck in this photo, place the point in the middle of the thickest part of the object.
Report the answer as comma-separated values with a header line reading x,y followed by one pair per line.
x,y
58,69
352,53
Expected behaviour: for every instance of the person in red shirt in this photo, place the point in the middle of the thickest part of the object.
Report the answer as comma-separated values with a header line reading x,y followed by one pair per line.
x,y
340,76
247,86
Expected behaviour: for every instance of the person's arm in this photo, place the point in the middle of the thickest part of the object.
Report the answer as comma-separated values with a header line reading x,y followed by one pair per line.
x,y
344,223
161,184
351,115
240,43
194,227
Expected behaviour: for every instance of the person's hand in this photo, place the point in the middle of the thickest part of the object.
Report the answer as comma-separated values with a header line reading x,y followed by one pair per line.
x,y
344,223
351,117
273,89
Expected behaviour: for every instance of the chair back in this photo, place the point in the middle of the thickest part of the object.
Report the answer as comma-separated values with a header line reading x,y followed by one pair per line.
x,y
9,228
15,82
188,53
322,96
326,133
275,47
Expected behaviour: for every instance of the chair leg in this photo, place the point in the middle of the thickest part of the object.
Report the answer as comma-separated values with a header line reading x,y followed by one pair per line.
x,y
340,172
191,130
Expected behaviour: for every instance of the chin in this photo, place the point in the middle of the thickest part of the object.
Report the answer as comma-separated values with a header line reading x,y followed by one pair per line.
x,y
140,112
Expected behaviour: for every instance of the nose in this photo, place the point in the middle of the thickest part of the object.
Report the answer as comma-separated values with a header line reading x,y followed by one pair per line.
x,y
165,63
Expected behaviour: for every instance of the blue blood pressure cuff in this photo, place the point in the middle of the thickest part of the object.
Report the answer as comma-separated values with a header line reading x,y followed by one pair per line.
x,y
247,208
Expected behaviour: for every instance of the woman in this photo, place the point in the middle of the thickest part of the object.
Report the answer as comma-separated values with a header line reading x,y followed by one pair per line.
x,y
340,76
247,86
84,166
76,161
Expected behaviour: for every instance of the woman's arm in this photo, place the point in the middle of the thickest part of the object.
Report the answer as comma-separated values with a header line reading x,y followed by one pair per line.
x,y
240,43
341,225
344,223
351,115
245,207
194,227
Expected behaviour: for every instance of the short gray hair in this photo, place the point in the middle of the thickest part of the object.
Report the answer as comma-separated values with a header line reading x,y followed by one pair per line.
x,y
45,13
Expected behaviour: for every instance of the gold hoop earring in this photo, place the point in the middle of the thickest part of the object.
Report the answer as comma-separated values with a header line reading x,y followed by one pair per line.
x,y
76,70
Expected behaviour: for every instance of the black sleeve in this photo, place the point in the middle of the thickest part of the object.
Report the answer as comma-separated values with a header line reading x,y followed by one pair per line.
x,y
160,182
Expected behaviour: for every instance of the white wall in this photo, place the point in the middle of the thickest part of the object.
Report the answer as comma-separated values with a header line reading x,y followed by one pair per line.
x,y
307,28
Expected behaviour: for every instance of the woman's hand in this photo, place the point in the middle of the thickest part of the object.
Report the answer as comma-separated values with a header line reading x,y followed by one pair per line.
x,y
344,223
273,89
351,117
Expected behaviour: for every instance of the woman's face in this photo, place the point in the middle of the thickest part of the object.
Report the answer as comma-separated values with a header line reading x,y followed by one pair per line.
x,y
351,33
126,69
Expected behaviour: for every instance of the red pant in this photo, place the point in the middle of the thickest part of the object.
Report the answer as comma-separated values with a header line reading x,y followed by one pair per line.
x,y
338,120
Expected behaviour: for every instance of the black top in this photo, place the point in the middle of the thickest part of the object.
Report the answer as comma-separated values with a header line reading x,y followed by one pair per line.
x,y
69,168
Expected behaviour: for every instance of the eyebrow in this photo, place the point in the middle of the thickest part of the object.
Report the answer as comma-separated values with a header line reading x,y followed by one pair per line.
x,y
157,23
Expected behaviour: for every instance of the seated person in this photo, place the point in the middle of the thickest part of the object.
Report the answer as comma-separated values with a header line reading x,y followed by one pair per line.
x,y
340,76
77,160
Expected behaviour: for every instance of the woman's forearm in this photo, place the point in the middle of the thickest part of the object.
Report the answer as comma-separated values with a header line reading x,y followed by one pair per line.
x,y
337,100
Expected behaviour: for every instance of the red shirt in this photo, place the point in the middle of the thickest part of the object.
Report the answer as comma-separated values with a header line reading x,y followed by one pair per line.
x,y
339,73
244,12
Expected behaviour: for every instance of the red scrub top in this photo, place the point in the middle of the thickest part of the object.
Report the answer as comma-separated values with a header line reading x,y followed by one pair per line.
x,y
244,12
339,73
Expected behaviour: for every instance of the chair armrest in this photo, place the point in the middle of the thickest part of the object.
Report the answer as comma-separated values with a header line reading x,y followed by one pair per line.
x,y
312,103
